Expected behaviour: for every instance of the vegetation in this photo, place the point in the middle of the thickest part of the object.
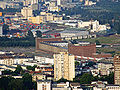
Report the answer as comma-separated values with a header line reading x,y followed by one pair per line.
x,y
27,41
18,71
38,33
31,68
105,11
104,40
5,29
10,83
17,42
87,78
97,42
62,80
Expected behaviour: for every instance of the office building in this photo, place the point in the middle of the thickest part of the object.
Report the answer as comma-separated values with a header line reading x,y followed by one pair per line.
x,y
117,70
64,66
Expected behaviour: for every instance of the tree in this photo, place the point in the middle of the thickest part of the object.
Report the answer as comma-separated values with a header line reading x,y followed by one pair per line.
x,y
117,27
77,63
30,34
18,69
86,78
27,81
38,34
7,72
109,79
31,68
97,42
15,84
4,81
91,63
5,29
62,80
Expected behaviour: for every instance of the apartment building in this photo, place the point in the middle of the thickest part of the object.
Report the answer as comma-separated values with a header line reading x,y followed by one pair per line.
x,y
64,66
26,12
117,69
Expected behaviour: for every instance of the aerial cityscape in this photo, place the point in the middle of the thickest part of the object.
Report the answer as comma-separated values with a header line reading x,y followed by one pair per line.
x,y
59,44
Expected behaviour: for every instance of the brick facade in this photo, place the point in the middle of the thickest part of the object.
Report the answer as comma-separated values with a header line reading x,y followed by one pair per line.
x,y
86,51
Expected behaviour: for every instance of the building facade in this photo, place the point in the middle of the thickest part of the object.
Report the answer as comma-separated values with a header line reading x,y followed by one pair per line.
x,y
64,66
26,12
44,85
117,70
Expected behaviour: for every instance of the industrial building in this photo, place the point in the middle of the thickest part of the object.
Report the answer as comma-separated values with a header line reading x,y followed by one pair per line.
x,y
47,46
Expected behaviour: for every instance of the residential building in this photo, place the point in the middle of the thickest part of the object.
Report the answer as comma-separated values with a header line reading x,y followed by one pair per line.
x,y
26,12
57,17
64,66
113,87
41,59
43,85
1,31
26,2
61,86
6,60
44,17
105,69
55,8
3,5
117,69
34,1
38,76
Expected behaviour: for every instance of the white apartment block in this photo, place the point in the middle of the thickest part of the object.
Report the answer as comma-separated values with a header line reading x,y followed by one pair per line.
x,y
64,66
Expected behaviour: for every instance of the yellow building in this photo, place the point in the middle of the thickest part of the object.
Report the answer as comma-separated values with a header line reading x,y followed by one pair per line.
x,y
64,66
32,19
58,18
49,17
38,19
43,17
